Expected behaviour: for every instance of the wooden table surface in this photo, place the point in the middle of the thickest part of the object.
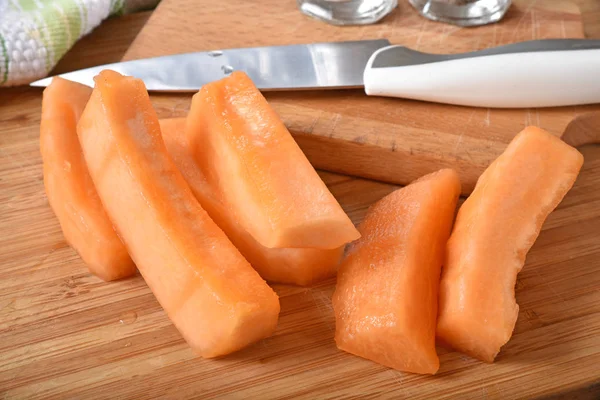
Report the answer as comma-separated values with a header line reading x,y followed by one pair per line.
x,y
22,375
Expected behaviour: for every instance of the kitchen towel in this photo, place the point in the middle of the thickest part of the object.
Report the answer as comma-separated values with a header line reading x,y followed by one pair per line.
x,y
35,34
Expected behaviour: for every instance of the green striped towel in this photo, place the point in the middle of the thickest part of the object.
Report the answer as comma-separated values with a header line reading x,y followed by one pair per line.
x,y
35,34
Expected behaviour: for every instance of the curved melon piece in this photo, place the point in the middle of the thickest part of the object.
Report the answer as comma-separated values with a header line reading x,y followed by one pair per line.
x,y
69,187
210,292
294,266
494,230
386,297
260,173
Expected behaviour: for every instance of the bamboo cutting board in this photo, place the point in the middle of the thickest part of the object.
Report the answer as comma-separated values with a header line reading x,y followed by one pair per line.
x,y
65,334
345,131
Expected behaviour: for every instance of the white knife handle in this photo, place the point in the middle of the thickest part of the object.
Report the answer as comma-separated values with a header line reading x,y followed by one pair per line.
x,y
512,80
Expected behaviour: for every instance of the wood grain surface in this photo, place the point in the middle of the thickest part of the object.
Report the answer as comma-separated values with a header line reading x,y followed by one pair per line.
x,y
66,334
387,139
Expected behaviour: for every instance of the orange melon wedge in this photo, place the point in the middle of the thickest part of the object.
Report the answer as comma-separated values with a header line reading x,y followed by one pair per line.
x,y
386,297
69,187
210,292
258,170
293,266
495,228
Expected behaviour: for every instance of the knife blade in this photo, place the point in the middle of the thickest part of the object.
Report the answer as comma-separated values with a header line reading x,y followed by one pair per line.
x,y
538,73
294,67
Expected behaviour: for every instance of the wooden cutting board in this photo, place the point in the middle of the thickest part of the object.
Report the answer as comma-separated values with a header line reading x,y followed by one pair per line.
x,y
65,334
345,131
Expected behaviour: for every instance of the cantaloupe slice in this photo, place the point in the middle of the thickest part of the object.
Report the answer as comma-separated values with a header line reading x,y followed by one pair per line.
x,y
69,187
494,230
294,266
210,292
386,297
262,176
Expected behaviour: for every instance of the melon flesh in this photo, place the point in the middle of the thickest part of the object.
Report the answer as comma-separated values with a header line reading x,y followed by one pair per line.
x,y
210,292
69,187
247,154
386,297
495,228
293,266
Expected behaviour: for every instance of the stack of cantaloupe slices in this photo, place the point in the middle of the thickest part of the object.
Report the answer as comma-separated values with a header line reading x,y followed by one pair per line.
x,y
210,206
226,191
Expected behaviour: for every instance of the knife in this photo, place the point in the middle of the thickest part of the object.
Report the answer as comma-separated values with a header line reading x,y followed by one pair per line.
x,y
539,73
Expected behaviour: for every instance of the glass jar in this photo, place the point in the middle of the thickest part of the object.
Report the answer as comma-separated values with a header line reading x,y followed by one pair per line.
x,y
462,12
347,12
